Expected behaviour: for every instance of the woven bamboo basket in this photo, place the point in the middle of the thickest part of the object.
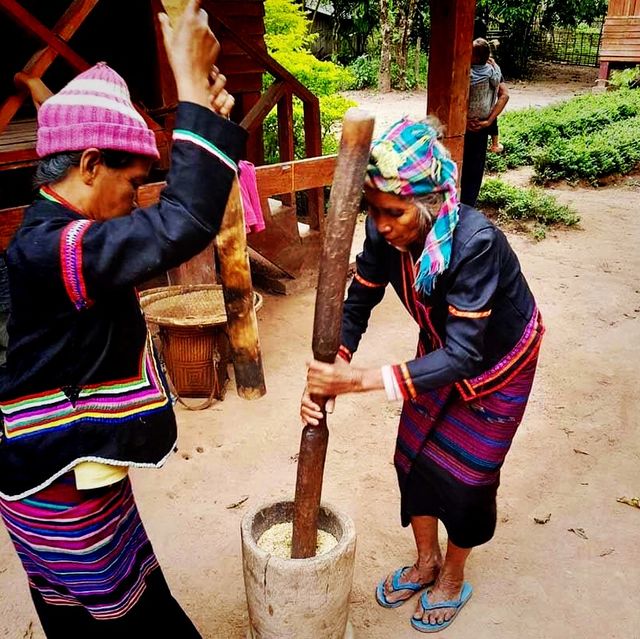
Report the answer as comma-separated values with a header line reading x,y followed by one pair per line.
x,y
191,325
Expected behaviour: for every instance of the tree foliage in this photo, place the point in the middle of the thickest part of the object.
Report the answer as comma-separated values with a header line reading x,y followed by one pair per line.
x,y
288,41
520,18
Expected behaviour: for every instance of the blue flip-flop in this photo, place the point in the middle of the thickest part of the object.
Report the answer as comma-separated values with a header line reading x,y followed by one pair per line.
x,y
412,586
418,624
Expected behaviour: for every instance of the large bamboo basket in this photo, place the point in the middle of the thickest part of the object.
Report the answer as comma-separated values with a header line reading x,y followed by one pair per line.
x,y
191,324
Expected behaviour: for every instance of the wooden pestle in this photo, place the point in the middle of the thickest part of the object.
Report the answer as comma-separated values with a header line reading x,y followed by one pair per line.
x,y
344,205
242,324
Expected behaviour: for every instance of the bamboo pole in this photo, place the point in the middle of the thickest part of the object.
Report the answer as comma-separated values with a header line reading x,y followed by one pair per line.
x,y
242,324
344,205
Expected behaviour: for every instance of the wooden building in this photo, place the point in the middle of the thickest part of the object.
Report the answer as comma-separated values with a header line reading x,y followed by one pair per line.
x,y
57,39
620,44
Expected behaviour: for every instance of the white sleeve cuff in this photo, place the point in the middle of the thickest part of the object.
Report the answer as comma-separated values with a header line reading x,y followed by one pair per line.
x,y
391,386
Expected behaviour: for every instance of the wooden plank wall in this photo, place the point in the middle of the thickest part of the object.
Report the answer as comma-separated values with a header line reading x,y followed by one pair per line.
x,y
621,32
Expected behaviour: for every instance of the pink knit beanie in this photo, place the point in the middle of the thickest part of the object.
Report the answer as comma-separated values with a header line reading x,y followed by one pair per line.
x,y
93,111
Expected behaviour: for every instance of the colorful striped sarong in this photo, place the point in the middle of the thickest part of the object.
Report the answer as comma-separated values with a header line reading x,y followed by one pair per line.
x,y
85,548
467,439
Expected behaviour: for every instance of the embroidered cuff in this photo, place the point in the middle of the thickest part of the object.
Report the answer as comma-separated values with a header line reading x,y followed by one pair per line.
x,y
391,387
345,353
403,379
188,136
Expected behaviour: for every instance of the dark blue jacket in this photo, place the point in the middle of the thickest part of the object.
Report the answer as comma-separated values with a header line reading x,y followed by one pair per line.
x,y
480,322
82,381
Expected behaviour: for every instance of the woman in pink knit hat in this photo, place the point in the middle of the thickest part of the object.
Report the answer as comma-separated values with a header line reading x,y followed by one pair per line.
x,y
84,398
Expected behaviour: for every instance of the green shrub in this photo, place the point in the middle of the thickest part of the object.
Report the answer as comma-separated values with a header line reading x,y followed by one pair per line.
x,y
332,110
288,40
614,149
365,69
525,133
320,77
625,78
525,205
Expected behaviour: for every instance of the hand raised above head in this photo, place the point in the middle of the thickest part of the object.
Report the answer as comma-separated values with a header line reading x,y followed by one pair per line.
x,y
220,100
192,49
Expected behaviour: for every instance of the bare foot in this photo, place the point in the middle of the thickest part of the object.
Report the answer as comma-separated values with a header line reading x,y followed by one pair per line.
x,y
443,590
424,574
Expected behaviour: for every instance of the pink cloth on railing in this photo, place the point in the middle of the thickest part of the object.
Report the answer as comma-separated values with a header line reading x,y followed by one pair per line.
x,y
253,216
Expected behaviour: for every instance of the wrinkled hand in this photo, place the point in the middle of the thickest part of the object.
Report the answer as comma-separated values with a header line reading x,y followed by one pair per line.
x,y
310,412
328,380
192,50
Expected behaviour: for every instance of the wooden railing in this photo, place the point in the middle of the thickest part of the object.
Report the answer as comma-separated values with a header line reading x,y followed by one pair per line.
x,y
280,94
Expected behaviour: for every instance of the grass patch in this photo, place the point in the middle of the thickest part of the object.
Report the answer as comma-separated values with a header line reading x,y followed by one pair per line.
x,y
614,149
528,209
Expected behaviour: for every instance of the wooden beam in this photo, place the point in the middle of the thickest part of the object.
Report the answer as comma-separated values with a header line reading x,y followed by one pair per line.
x,y
273,179
40,61
267,102
20,15
449,67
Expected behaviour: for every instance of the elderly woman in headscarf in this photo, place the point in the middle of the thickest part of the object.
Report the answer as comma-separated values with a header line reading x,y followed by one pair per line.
x,y
84,397
465,392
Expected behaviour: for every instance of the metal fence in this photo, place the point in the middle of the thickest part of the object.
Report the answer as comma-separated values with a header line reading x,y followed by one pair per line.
x,y
567,45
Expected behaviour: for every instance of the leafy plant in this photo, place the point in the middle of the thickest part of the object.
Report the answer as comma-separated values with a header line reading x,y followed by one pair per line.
x,y
614,149
525,205
288,41
526,133
627,78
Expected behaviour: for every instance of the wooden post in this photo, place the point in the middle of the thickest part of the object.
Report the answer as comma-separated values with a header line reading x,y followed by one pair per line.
x,y
416,62
344,205
242,325
449,67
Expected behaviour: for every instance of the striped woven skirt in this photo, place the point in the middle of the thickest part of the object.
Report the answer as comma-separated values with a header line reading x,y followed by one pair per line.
x,y
450,451
89,561
85,548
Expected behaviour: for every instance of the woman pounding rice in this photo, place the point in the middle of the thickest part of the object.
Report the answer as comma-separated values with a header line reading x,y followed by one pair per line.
x,y
84,398
466,391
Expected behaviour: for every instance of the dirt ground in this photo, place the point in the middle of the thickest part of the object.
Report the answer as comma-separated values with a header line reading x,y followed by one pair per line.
x,y
576,452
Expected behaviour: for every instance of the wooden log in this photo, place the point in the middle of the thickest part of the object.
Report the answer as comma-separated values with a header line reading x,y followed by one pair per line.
x,y
242,324
344,205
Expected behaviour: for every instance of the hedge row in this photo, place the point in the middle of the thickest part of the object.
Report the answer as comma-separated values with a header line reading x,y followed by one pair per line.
x,y
528,132
614,149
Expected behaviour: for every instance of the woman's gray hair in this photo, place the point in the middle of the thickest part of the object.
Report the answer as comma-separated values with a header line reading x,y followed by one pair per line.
x,y
428,208
55,167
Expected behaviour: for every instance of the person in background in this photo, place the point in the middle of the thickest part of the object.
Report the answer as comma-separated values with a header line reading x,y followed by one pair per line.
x,y
83,397
488,96
465,392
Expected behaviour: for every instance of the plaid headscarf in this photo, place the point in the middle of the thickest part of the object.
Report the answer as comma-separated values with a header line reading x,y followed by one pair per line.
x,y
408,160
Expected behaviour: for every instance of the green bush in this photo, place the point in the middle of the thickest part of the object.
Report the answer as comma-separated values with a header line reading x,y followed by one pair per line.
x,y
526,133
365,69
614,149
320,77
525,205
625,78
332,110
288,40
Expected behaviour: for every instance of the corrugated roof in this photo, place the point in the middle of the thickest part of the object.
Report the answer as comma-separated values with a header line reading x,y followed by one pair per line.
x,y
324,6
